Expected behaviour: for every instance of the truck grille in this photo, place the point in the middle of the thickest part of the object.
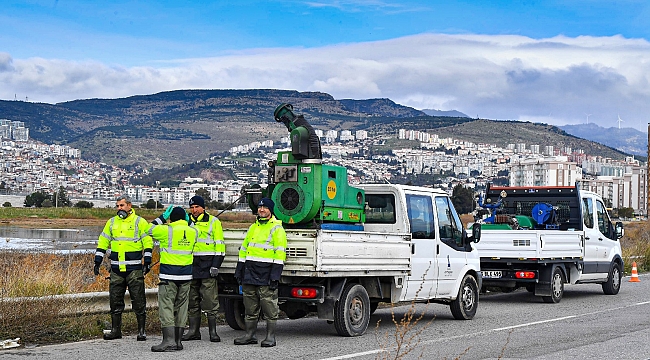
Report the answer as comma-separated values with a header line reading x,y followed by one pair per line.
x,y
297,252
520,242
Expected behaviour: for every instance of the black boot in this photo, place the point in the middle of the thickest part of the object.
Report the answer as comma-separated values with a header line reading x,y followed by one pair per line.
x,y
194,330
212,329
249,338
270,334
178,336
142,336
116,328
167,343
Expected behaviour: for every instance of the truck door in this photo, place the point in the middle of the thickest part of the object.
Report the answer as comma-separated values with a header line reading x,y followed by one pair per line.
x,y
591,236
451,253
606,238
421,284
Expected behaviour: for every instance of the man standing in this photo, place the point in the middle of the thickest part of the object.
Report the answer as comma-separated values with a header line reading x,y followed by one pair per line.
x,y
126,236
208,256
176,245
261,260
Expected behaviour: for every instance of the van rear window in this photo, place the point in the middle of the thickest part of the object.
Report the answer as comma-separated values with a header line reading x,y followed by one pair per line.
x,y
380,209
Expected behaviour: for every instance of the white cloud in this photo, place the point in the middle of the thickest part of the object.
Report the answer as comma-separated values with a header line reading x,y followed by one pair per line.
x,y
498,77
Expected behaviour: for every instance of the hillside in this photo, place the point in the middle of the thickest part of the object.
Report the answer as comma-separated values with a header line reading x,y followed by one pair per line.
x,y
179,127
628,140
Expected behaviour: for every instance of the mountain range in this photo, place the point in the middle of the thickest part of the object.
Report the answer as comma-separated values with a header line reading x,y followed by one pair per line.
x,y
178,127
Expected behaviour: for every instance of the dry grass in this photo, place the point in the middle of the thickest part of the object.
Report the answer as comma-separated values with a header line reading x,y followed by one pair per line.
x,y
25,275
636,246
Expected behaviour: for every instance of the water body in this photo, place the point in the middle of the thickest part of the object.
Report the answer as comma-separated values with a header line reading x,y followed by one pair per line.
x,y
60,240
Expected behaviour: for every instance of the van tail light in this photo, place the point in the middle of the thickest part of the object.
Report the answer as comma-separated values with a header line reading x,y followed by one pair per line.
x,y
304,292
525,274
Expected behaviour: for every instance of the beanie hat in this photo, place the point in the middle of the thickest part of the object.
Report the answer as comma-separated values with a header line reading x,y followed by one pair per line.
x,y
197,200
268,203
177,214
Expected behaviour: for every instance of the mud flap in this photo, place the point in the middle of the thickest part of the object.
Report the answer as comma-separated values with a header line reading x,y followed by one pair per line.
x,y
543,286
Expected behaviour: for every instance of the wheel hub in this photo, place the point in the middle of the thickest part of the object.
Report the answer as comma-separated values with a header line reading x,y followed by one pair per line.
x,y
356,311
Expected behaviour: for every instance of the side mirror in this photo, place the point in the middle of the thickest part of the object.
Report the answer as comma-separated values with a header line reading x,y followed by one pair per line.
x,y
476,232
619,230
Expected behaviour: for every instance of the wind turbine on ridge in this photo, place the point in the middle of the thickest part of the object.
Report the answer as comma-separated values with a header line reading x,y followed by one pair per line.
x,y
619,121
588,115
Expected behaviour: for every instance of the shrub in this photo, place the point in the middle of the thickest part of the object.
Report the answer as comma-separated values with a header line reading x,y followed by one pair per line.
x,y
6,204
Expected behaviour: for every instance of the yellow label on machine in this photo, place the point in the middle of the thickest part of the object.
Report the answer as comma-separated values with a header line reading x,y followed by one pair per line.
x,y
331,189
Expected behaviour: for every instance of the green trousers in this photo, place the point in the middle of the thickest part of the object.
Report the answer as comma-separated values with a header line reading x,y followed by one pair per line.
x,y
172,303
204,295
260,297
119,282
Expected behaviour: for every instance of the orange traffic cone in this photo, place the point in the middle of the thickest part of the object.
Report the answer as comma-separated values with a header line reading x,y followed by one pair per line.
x,y
635,274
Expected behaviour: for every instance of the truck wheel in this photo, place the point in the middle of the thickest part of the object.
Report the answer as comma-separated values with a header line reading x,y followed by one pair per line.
x,y
466,303
557,287
613,284
234,313
352,311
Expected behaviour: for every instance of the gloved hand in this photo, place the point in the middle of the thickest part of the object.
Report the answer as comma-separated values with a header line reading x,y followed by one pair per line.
x,y
214,271
168,212
145,269
96,268
274,284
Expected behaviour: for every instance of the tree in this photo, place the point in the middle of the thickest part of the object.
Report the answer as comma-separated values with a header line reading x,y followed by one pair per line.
x,y
47,203
463,199
626,212
153,204
205,194
61,199
83,204
36,199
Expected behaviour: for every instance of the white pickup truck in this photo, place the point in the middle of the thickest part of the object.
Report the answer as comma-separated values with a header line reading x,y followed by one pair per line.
x,y
412,246
544,237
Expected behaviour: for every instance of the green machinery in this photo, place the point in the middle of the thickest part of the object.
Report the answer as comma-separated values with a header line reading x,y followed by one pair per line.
x,y
303,189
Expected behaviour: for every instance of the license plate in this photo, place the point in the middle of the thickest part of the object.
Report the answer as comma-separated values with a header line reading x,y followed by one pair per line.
x,y
492,274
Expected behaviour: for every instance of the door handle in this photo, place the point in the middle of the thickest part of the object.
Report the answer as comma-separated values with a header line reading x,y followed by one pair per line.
x,y
412,248
586,237
601,239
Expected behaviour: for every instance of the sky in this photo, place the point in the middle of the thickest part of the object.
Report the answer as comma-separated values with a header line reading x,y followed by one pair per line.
x,y
556,62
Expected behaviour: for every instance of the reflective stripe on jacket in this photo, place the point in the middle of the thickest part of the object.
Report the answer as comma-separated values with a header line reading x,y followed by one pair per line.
x,y
128,241
177,242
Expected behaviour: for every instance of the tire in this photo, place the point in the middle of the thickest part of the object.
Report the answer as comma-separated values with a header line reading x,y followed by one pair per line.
x,y
613,284
234,313
557,287
466,303
352,311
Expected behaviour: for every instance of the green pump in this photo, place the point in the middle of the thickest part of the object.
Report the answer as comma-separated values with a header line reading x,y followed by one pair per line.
x,y
303,189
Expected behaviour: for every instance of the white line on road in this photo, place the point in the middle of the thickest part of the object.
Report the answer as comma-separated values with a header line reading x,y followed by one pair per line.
x,y
376,351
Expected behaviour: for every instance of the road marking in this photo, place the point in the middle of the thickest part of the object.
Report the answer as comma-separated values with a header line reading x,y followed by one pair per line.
x,y
376,351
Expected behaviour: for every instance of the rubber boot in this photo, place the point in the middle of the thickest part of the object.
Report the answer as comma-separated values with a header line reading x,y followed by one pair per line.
x,y
212,329
270,334
142,336
178,336
249,338
167,343
116,328
194,330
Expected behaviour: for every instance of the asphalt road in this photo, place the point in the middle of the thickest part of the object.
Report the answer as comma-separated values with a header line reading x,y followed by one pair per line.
x,y
586,324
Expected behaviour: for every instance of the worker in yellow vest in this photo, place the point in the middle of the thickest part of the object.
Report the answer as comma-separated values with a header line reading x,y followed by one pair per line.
x,y
209,252
261,260
130,255
177,242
